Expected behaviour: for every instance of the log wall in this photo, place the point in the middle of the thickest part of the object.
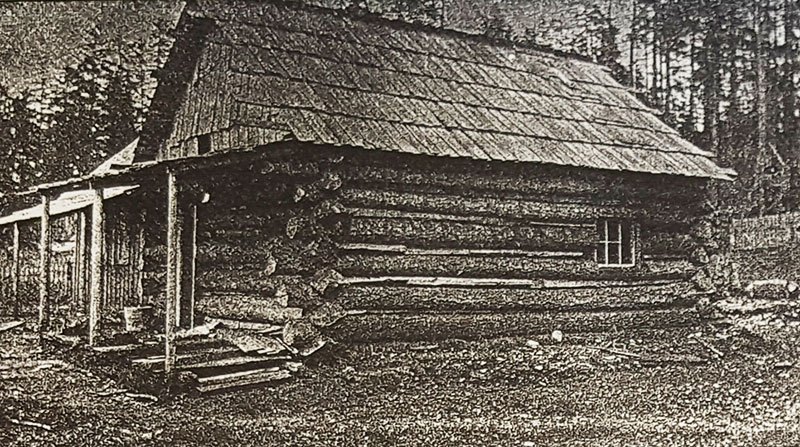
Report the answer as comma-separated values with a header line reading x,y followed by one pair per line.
x,y
444,250
429,248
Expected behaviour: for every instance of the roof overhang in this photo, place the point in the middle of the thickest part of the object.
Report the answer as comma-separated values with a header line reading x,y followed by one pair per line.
x,y
65,203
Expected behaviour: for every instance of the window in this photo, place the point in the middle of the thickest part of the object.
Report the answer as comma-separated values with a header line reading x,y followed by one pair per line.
x,y
203,144
615,244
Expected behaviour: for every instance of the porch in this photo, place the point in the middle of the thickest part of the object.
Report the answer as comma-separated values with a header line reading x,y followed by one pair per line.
x,y
207,298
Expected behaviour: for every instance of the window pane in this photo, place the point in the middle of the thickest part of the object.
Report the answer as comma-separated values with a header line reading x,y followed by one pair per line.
x,y
627,244
613,231
601,254
601,231
613,253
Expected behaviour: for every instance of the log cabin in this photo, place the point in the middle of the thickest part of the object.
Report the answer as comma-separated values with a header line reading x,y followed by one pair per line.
x,y
417,183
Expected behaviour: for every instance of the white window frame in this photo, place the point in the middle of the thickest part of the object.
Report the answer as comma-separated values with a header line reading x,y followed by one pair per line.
x,y
608,244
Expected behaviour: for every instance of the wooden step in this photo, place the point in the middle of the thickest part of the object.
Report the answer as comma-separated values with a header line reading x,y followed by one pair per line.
x,y
234,364
242,379
262,328
157,361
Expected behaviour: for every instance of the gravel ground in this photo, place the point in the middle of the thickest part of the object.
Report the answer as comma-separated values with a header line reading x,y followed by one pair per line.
x,y
502,392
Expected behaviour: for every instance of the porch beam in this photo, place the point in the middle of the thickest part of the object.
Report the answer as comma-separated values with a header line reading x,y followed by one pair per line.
x,y
96,265
15,262
45,246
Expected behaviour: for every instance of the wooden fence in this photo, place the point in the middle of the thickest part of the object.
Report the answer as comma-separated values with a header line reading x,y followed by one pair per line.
x,y
766,247
64,292
775,231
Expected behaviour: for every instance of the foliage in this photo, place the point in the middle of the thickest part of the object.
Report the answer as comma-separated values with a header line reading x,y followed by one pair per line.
x,y
69,124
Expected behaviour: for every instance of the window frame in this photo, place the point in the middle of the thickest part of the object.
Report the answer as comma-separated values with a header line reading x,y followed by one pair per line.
x,y
607,244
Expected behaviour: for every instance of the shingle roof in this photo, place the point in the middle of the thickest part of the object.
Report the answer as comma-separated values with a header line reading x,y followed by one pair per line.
x,y
271,71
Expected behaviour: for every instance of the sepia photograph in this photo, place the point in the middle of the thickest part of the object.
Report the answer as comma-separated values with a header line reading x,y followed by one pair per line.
x,y
357,223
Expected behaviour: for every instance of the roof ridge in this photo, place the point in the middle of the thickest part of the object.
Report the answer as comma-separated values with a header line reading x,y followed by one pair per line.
x,y
363,15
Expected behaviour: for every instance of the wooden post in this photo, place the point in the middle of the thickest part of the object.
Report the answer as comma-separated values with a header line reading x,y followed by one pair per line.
x,y
188,254
15,260
79,261
96,266
45,243
173,271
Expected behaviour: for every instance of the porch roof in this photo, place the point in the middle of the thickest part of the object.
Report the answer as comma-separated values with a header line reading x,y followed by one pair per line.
x,y
65,203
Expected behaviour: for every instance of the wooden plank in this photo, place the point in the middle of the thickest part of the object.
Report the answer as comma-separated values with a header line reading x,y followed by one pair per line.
x,y
369,297
230,362
15,270
96,265
45,248
432,326
246,380
237,374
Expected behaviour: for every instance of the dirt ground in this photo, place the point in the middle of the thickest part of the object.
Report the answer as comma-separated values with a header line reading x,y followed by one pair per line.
x,y
666,388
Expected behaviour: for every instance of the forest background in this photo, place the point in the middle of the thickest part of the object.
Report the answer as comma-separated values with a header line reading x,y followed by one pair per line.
x,y
78,76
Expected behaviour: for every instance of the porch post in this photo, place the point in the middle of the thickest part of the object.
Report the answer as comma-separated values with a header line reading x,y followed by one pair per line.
x,y
187,252
97,247
15,269
45,246
79,276
173,271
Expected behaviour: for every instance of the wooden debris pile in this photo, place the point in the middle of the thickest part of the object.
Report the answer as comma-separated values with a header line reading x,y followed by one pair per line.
x,y
224,354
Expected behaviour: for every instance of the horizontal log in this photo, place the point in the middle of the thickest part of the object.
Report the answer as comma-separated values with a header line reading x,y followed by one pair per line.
x,y
249,311
216,298
244,281
430,281
237,220
376,327
437,233
514,299
475,266
483,178
245,307
665,243
298,288
382,248
506,267
224,254
478,219
553,209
